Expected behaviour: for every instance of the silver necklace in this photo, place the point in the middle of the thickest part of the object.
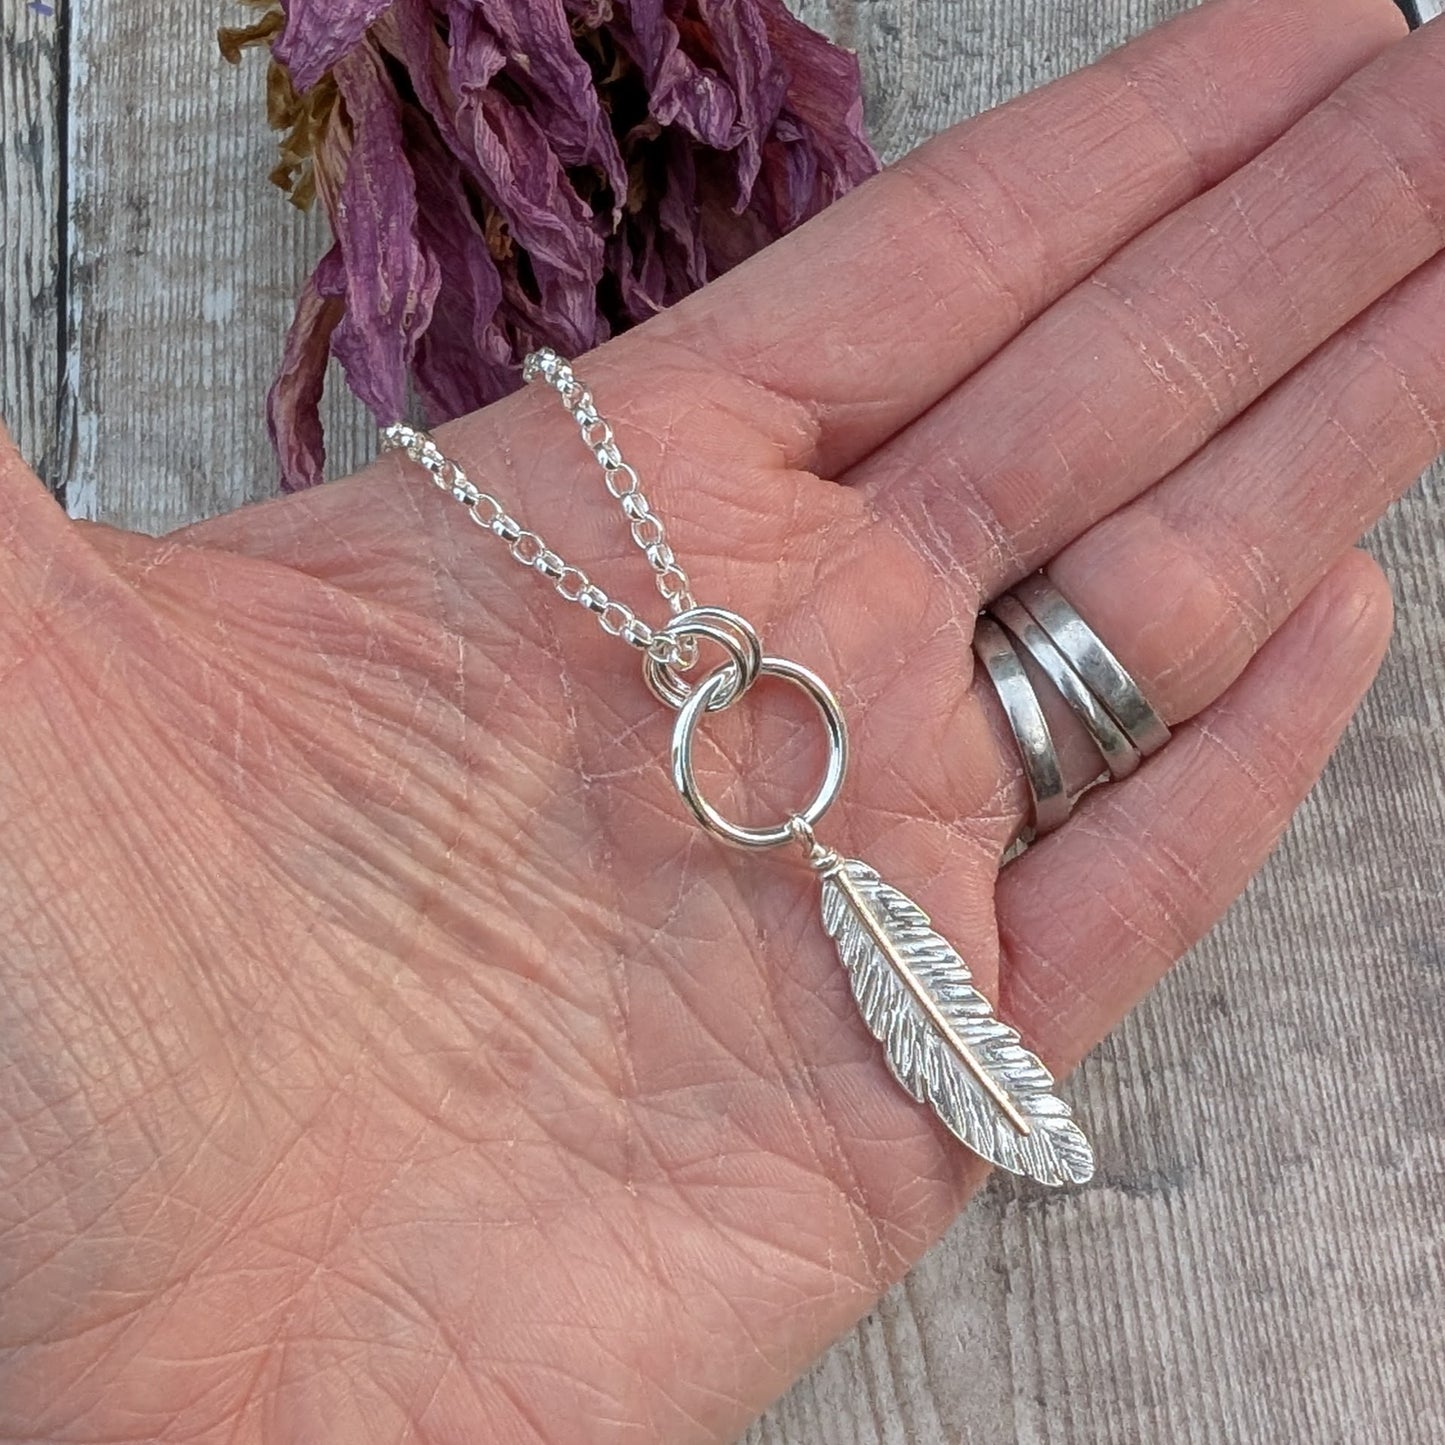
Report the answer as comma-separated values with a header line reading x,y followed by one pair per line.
x,y
941,1038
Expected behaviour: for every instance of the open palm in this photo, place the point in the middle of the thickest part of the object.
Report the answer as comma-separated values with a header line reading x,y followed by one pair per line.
x,y
391,1058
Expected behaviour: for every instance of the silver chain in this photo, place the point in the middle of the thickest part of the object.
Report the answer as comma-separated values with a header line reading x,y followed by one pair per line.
x,y
620,479
572,584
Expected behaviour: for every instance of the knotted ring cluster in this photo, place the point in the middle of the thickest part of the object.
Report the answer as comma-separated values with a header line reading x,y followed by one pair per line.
x,y
1124,725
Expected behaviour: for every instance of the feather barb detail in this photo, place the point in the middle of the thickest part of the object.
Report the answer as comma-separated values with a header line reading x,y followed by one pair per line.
x,y
966,1056
940,1036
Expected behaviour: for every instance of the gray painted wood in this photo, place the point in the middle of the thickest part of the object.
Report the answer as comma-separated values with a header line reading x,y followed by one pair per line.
x,y
1261,1261
186,264
32,265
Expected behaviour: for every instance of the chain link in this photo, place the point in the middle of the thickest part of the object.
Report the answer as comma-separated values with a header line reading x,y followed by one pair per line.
x,y
571,583
547,367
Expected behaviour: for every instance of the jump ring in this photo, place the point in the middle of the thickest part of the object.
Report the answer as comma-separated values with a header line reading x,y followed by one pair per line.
x,y
685,779
734,634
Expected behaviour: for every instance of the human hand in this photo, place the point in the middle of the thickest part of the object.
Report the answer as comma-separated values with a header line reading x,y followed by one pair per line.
x,y
390,1057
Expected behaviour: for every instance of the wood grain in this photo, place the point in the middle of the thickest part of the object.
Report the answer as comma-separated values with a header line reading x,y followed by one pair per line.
x,y
34,395
186,266
1261,1259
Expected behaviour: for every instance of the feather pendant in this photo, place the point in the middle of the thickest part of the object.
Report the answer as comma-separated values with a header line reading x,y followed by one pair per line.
x,y
939,1034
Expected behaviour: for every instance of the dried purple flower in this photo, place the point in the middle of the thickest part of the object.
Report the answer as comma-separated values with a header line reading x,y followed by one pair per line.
x,y
502,174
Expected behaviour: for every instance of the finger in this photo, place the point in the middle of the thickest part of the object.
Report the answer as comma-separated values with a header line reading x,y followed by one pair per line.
x,y
1129,374
868,315
1225,548
1092,916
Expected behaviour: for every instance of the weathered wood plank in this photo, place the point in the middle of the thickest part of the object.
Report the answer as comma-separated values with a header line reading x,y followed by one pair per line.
x,y
32,246
931,63
187,263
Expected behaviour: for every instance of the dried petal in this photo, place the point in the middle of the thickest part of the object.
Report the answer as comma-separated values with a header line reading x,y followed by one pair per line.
x,y
461,359
293,405
505,173
391,284
319,33
553,75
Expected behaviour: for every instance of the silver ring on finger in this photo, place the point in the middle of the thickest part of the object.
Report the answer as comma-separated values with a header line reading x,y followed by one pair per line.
x,y
1045,779
1120,755
1090,657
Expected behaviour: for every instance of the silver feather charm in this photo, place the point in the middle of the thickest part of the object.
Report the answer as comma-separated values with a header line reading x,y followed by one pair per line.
x,y
940,1036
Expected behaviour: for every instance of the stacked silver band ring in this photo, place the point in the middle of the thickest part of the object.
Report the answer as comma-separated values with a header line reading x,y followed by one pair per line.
x,y
1038,618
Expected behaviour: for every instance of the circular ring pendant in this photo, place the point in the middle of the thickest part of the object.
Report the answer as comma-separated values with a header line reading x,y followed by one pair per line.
x,y
684,731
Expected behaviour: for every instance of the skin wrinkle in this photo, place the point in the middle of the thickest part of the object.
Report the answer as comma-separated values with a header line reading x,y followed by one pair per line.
x,y
784,1067
80,594
340,679
787,443
1188,161
333,1214
317,1112
643,1249
543,1039
1168,883
90,1368
700,1203
830,1156
382,857
1205,346
1352,443
919,530
616,970
927,181
122,1039
1175,504
1433,423
189,927
1297,321
1233,608
1139,337
1428,206
418,1408
705,339
42,1164
1273,166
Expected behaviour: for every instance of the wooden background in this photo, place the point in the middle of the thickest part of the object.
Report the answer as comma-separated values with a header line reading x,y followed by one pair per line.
x,y
1261,1259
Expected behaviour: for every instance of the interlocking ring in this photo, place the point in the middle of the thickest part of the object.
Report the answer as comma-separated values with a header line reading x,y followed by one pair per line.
x,y
702,699
732,633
